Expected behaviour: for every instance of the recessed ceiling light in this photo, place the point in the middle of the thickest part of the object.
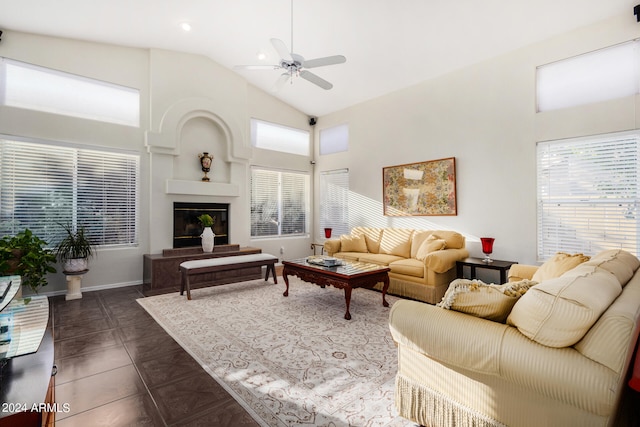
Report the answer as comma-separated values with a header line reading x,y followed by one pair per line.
x,y
262,55
185,26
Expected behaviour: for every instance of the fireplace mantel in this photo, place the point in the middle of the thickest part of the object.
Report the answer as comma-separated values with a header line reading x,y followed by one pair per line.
x,y
197,188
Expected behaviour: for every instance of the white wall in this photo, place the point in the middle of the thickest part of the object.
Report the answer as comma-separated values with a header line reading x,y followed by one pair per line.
x,y
189,104
485,117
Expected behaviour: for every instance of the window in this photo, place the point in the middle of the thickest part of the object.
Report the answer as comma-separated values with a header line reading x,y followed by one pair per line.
x,y
588,194
597,76
334,201
279,203
32,87
43,185
334,139
270,136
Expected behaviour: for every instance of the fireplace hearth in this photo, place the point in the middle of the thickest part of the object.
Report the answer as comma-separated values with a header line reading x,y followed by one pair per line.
x,y
187,228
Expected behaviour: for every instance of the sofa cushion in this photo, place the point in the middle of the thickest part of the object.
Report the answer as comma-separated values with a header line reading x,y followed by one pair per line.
x,y
558,265
380,259
454,239
353,243
371,236
419,236
474,297
431,244
396,241
620,263
408,267
349,256
558,312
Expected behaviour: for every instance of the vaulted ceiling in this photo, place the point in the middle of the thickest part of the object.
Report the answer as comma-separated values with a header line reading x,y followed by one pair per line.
x,y
389,44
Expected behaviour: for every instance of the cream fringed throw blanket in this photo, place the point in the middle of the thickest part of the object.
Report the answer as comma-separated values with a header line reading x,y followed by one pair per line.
x,y
493,302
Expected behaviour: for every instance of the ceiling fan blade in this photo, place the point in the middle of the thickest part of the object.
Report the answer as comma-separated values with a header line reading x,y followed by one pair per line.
x,y
281,48
284,77
327,60
256,67
316,80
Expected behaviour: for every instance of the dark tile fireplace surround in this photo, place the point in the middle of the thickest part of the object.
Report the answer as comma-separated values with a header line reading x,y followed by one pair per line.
x,y
187,228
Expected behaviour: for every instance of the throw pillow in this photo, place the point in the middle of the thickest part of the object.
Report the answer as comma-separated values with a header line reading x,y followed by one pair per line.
x,y
454,239
431,244
396,241
620,263
492,302
559,312
351,243
558,265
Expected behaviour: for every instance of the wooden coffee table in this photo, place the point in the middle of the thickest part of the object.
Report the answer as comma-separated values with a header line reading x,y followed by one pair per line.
x,y
349,276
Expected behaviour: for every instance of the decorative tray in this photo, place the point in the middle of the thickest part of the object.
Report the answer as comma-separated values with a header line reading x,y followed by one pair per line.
x,y
324,261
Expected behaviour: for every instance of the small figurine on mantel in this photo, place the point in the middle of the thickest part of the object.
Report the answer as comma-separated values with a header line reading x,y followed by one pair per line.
x,y
205,161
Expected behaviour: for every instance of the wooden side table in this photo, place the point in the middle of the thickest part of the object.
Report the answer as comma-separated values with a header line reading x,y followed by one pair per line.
x,y
475,263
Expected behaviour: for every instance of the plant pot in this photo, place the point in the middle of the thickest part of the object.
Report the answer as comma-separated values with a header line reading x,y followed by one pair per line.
x,y
76,265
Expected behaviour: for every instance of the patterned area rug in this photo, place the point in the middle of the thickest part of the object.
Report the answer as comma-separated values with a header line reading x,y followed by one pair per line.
x,y
291,360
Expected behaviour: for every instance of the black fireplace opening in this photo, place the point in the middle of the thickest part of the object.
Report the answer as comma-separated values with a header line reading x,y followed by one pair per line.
x,y
187,228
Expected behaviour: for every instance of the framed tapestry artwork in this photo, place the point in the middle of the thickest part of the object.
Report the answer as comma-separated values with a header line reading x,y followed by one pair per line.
x,y
421,189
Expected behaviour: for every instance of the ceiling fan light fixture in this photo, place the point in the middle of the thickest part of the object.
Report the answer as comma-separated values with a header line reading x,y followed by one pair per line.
x,y
294,65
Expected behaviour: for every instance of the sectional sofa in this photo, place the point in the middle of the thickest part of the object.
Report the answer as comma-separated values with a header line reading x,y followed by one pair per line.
x,y
422,262
560,359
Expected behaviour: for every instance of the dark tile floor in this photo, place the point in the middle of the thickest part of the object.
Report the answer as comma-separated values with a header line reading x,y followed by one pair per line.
x,y
117,367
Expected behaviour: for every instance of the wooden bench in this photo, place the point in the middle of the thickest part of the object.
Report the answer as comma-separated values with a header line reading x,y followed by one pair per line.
x,y
202,266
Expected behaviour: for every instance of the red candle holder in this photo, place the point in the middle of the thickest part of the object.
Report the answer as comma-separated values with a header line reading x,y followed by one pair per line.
x,y
487,248
327,233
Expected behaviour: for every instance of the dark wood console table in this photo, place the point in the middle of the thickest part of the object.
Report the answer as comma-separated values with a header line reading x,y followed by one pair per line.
x,y
28,383
161,272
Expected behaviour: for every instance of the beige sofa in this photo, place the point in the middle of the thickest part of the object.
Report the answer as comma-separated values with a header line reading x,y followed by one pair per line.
x,y
560,359
422,262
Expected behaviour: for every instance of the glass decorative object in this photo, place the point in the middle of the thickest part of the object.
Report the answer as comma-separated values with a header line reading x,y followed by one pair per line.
x,y
487,248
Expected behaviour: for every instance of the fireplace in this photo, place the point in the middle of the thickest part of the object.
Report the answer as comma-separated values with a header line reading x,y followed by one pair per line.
x,y
187,228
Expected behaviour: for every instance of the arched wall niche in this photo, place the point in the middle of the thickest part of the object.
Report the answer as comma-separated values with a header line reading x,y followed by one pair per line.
x,y
189,118
200,134
167,139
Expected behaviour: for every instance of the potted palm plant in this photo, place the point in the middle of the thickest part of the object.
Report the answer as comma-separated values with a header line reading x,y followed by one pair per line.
x,y
74,250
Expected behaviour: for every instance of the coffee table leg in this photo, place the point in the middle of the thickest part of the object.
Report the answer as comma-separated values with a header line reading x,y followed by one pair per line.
x,y
347,298
286,281
384,291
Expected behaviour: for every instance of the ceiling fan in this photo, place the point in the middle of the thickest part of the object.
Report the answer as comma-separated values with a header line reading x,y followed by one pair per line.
x,y
295,65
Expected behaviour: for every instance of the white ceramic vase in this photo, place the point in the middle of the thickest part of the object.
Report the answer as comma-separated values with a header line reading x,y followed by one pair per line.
x,y
76,265
207,239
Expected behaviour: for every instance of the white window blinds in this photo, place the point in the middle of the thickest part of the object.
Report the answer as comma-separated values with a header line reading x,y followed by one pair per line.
x,y
588,195
334,201
43,186
279,203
